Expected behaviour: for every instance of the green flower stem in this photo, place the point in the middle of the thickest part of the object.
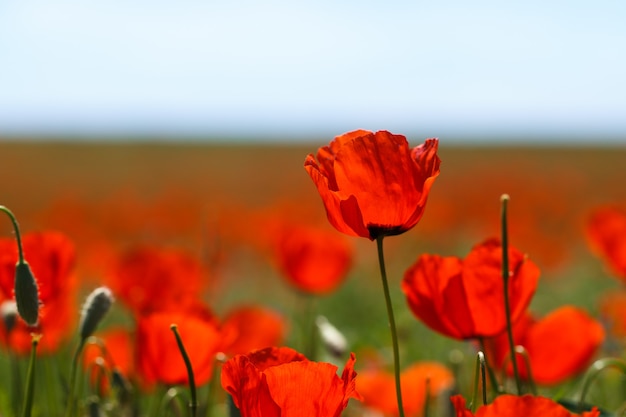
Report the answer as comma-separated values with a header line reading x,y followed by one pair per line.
x,y
30,378
392,325
193,405
478,373
596,368
505,276
309,306
16,227
71,400
497,389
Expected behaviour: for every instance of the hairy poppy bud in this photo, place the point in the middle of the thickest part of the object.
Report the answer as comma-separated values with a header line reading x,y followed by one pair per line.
x,y
8,311
26,293
95,308
334,341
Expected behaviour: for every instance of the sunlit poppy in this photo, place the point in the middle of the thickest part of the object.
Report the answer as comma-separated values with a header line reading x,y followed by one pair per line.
x,y
148,279
518,406
606,231
464,298
372,184
282,382
313,260
379,392
159,359
51,256
560,345
251,327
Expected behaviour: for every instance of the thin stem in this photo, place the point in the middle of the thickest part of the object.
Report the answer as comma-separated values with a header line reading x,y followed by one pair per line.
x,y
492,376
478,373
30,378
596,368
16,227
392,325
505,276
193,405
71,402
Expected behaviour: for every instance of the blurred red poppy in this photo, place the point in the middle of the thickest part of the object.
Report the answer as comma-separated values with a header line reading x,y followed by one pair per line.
x,y
372,184
379,391
464,298
606,231
51,256
282,382
560,345
313,260
158,357
249,328
148,279
518,406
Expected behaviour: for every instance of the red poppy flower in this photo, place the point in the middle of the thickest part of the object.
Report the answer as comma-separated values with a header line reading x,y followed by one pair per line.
x,y
606,232
51,257
379,391
372,184
518,406
560,345
158,357
282,382
148,279
464,298
249,328
314,260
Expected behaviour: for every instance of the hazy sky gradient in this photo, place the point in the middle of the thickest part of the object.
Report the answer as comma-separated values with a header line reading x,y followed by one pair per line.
x,y
286,69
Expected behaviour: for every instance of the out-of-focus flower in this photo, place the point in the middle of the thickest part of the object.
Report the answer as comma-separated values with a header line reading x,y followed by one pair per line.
x,y
518,406
372,184
251,327
464,298
606,231
282,382
159,358
560,345
313,260
51,256
148,279
379,392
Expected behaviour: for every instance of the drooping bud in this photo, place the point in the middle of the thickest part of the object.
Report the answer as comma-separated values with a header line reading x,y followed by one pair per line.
x,y
95,308
26,293
334,341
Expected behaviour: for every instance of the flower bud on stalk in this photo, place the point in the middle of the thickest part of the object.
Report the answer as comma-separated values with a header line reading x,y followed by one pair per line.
x,y
8,312
26,291
95,308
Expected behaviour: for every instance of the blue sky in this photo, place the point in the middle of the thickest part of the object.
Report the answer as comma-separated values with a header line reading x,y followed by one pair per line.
x,y
291,70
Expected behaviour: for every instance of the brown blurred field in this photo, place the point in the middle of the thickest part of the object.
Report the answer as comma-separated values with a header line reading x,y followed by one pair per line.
x,y
180,193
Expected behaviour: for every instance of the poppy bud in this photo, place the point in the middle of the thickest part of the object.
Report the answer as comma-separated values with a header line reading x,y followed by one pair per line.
x,y
95,308
334,341
8,311
26,293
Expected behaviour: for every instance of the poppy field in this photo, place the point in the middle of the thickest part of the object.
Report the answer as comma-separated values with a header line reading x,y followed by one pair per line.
x,y
365,275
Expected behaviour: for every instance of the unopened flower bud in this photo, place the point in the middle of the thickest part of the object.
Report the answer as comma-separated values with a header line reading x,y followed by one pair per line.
x,y
95,308
8,311
26,293
334,341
